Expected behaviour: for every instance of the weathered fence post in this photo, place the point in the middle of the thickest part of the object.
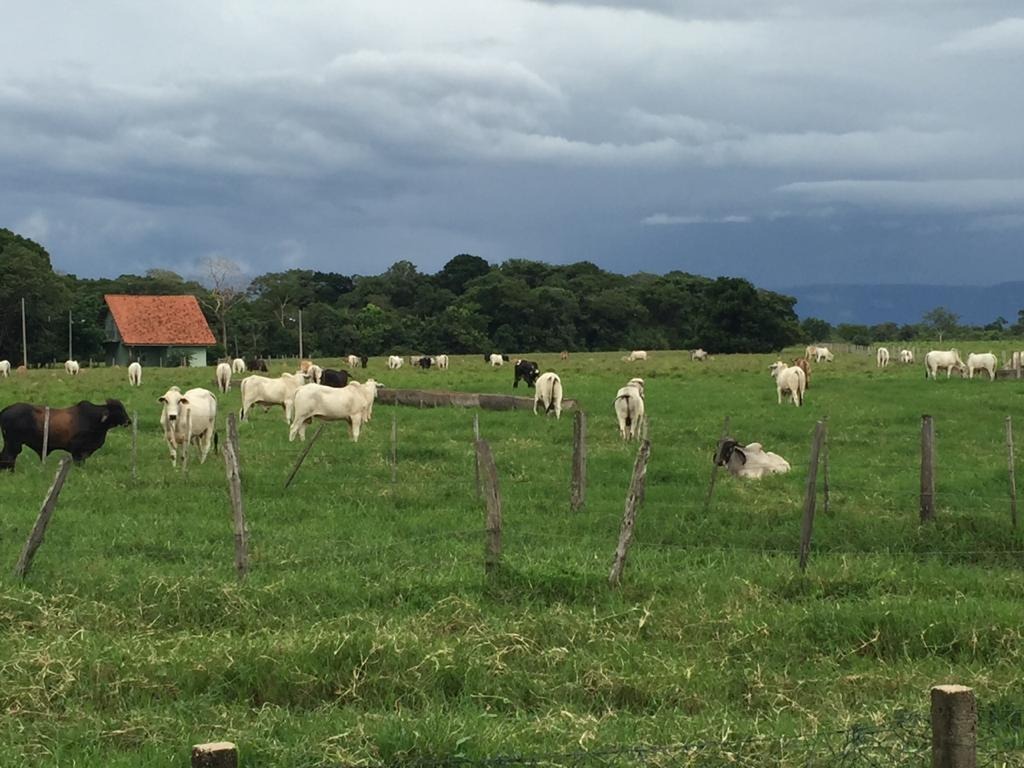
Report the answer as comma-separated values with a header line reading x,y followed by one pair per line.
x,y
954,727
714,466
1013,472
476,456
492,498
302,456
578,490
46,433
231,468
35,538
810,495
826,489
927,468
636,492
135,443
220,754
188,440
394,448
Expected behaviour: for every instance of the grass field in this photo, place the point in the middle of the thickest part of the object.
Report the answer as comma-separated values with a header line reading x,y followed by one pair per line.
x,y
367,631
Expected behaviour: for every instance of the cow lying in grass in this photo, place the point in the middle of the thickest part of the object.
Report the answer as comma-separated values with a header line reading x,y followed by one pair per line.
x,y
750,461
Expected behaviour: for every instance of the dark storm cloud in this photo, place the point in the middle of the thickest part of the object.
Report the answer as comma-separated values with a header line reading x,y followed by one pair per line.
x,y
758,138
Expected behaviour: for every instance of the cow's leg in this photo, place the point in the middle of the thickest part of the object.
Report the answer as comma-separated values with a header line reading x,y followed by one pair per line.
x,y
9,454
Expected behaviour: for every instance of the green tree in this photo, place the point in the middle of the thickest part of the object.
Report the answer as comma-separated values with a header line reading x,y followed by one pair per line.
x,y
26,273
941,322
815,329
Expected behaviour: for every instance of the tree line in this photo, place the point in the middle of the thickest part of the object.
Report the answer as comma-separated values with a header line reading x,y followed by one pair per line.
x,y
468,306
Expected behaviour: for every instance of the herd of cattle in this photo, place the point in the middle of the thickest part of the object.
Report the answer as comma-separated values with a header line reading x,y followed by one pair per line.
x,y
190,418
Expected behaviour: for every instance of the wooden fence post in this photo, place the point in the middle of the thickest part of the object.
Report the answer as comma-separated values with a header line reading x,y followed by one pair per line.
x,y
476,455
810,495
826,489
135,443
46,433
714,466
305,452
231,468
220,754
394,448
1013,472
492,497
927,468
578,489
35,538
954,727
636,492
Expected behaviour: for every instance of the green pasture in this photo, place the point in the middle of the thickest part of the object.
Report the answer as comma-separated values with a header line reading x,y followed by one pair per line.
x,y
367,631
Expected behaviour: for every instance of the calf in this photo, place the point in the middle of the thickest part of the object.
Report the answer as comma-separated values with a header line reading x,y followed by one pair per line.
x,y
333,378
135,374
549,394
442,362
188,419
352,361
80,430
395,362
71,367
750,461
495,360
223,377
906,356
525,370
804,365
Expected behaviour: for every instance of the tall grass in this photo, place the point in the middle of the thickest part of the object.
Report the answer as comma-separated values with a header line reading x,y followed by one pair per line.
x,y
367,631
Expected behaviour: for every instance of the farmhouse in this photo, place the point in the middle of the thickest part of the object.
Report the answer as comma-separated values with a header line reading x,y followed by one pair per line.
x,y
156,330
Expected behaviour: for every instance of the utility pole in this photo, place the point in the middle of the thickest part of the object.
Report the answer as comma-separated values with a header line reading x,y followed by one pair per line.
x,y
70,356
24,342
300,335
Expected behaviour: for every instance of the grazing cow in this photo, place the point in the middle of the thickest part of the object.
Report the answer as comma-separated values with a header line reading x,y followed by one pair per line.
x,y
352,360
442,362
750,461
636,354
363,361
135,374
982,362
395,362
563,355
238,365
5,368
80,429
71,367
630,409
223,377
424,362
882,357
906,356
352,403
525,370
804,365
548,394
260,390
304,364
257,364
699,355
496,361
810,351
791,380
332,378
937,359
821,354
188,419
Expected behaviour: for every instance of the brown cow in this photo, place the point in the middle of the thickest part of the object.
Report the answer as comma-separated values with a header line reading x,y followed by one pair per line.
x,y
805,365
80,430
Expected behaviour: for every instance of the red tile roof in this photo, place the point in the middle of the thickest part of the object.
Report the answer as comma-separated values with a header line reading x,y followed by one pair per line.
x,y
160,321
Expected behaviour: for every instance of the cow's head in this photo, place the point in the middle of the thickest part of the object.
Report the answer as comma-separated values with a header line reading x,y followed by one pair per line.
x,y
725,451
115,415
776,367
638,383
487,357
173,402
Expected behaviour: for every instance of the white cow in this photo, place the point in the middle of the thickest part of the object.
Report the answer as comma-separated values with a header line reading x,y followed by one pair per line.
x,y
937,359
71,367
906,356
821,353
261,390
750,461
442,362
352,403
882,357
789,380
315,373
496,361
630,409
985,361
699,354
135,374
395,362
5,368
187,419
223,377
636,354
548,392
238,365
353,361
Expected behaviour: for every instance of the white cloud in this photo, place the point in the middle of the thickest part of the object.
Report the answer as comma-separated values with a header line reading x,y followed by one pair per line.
x,y
963,195
666,219
1006,35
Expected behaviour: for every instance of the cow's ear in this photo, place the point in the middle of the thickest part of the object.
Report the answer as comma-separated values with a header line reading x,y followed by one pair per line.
x,y
183,401
161,399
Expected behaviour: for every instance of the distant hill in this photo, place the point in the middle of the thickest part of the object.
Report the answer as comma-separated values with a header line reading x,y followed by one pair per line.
x,y
871,304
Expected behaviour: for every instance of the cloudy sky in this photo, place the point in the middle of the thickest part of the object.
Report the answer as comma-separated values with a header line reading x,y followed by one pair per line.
x,y
787,141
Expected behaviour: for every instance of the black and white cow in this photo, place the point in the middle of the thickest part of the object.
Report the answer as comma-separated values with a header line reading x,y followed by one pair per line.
x,y
525,370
